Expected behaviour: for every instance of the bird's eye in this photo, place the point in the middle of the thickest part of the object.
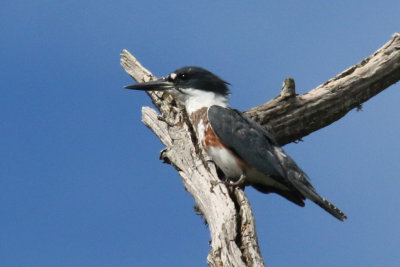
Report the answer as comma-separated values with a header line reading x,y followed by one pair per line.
x,y
182,76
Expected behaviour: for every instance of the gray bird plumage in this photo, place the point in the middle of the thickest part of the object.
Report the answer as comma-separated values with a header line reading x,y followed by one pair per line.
x,y
248,151
259,149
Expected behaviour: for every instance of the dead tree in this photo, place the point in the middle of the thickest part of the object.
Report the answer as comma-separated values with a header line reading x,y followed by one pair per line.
x,y
289,117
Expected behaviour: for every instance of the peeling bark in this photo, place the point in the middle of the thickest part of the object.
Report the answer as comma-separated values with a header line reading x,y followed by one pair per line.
x,y
289,117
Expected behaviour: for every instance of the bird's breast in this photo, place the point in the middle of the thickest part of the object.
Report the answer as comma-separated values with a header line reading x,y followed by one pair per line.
x,y
230,163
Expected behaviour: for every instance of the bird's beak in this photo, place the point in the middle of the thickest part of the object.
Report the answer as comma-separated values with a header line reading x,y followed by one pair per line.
x,y
157,85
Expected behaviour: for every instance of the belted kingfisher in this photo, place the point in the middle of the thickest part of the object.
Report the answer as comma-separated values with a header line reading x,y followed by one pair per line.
x,y
244,151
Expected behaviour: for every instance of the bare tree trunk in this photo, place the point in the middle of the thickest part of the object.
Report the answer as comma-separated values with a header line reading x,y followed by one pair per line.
x,y
288,117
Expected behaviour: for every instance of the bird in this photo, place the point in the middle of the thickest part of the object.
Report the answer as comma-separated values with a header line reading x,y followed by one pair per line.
x,y
245,152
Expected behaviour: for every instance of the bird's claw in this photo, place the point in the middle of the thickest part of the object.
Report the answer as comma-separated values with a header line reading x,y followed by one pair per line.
x,y
238,183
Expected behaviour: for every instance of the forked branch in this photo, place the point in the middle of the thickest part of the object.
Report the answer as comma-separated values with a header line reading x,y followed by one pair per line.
x,y
289,117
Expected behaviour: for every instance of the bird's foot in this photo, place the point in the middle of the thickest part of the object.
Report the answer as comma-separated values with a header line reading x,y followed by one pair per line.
x,y
238,183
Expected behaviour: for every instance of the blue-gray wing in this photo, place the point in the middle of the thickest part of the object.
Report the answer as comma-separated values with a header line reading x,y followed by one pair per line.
x,y
259,149
247,139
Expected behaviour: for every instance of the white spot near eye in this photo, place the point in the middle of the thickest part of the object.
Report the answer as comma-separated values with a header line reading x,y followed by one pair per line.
x,y
172,76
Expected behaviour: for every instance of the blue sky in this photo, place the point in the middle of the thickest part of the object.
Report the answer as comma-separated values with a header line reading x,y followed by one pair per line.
x,y
80,179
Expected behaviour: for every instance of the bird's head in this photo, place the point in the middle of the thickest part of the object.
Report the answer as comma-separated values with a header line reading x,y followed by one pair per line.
x,y
193,86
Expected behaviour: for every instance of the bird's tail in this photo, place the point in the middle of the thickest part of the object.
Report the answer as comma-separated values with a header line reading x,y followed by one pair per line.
x,y
329,207
309,192
301,183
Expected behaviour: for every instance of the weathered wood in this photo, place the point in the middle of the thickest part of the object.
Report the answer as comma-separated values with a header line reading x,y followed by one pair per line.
x,y
289,117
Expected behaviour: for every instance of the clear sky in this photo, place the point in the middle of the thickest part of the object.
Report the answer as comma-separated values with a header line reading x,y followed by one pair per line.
x,y
80,179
